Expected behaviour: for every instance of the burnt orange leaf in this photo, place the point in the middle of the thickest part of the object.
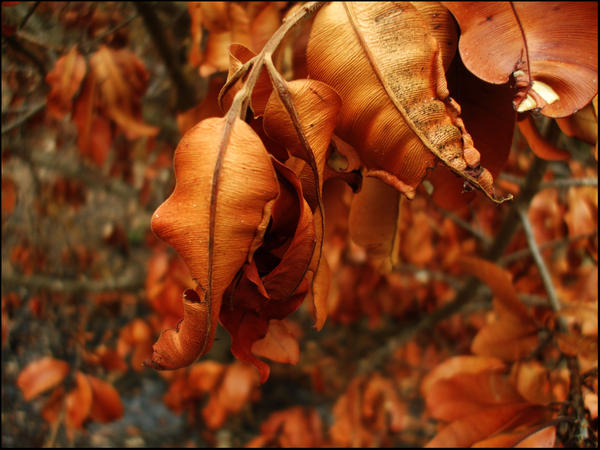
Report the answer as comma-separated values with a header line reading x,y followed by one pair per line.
x,y
482,424
78,402
204,376
233,393
94,131
373,221
442,27
532,382
550,49
488,114
291,428
41,375
122,80
544,438
106,403
579,345
582,125
395,111
215,219
64,81
540,146
279,344
500,282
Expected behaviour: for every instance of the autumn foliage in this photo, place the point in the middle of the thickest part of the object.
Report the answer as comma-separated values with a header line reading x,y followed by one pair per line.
x,y
343,224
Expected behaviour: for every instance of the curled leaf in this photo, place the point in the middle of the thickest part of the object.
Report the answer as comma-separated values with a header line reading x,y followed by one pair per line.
x,y
550,49
395,111
215,219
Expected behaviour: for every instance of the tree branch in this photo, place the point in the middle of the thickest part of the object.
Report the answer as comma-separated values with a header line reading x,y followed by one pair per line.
x,y
186,93
129,280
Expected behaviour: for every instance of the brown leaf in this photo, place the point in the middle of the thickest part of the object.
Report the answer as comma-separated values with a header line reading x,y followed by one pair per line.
x,y
540,146
279,344
488,114
41,375
395,111
532,382
292,428
442,27
64,81
551,49
482,424
215,219
106,403
235,390
373,221
78,402
581,125
500,282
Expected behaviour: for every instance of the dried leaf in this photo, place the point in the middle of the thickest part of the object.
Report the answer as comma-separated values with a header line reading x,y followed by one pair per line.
x,y
500,282
106,403
540,146
227,164
582,125
78,402
41,375
279,344
235,391
395,111
373,221
64,81
482,424
292,428
532,381
550,48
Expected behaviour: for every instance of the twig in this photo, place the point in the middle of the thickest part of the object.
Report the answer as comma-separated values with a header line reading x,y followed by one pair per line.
x,y
507,259
569,182
130,280
56,425
114,29
28,15
25,117
539,261
14,43
186,93
465,225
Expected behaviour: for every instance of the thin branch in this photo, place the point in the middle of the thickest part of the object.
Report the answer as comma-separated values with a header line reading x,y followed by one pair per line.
x,y
25,117
569,182
130,280
28,15
186,93
464,225
539,261
114,29
556,243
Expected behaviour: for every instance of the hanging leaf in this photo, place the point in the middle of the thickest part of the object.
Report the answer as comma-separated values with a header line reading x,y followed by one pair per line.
x,y
373,221
215,219
550,49
106,403
41,375
395,111
64,81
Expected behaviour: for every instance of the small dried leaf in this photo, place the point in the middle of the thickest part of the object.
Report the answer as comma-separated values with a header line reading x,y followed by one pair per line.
x,y
279,344
41,375
106,403
64,81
